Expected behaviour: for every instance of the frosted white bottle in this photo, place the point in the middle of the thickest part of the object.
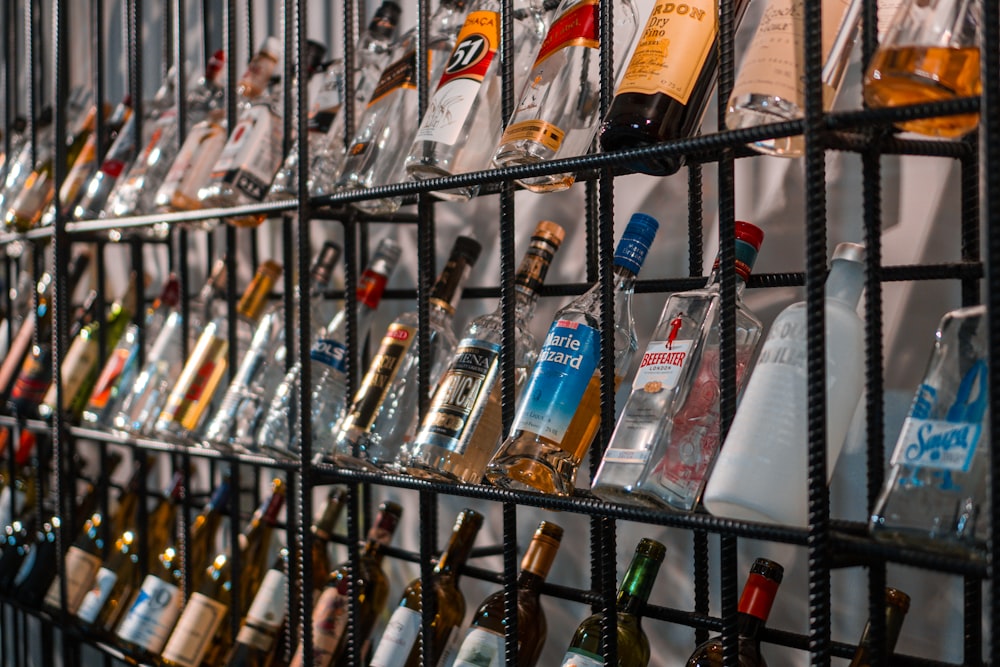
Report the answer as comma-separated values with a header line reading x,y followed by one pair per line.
x,y
761,473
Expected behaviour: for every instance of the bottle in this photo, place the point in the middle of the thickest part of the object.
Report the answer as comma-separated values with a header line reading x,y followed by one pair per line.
x,y
204,529
752,612
18,538
560,409
667,436
328,359
20,296
255,544
191,399
386,130
463,426
384,410
936,489
330,611
659,97
462,124
768,435
20,167
484,640
322,530
20,492
400,645
897,603
241,410
557,115
633,646
256,643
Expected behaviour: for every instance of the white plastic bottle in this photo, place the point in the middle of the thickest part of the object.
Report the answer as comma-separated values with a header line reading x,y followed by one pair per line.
x,y
761,472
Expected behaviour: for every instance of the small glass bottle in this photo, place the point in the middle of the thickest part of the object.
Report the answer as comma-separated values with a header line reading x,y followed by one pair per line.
x,y
384,410
667,436
463,426
559,413
897,603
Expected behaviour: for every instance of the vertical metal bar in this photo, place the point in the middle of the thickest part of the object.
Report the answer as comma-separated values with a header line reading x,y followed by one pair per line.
x,y
135,68
9,77
352,652
428,550
350,35
180,66
31,90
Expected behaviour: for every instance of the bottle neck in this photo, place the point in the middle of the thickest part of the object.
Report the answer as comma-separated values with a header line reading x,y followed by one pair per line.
x,y
637,585
715,281
845,282
458,549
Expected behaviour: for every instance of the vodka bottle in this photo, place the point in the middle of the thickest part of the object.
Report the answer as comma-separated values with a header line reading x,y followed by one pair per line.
x,y
935,493
463,426
761,472
667,437
328,361
384,410
560,409
386,130
557,115
462,124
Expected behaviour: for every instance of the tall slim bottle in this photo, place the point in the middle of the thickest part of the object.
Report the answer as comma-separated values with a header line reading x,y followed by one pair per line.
x,y
399,646
463,426
667,436
257,640
897,603
559,413
633,645
384,409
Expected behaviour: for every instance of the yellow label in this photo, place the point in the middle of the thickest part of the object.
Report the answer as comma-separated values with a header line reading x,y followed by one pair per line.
x,y
672,49
538,131
198,381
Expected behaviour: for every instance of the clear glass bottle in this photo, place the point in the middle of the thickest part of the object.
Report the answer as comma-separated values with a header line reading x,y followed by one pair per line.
x,y
384,409
557,115
462,124
20,168
559,413
761,472
463,426
386,129
935,491
667,436
329,357
897,603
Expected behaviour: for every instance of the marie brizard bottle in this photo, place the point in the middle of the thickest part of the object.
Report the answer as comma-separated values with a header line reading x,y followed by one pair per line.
x,y
191,399
559,413
400,643
753,610
633,645
257,640
897,603
668,81
484,640
330,611
384,410
463,426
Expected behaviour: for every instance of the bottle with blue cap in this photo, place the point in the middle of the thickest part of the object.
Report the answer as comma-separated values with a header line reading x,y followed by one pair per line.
x,y
560,409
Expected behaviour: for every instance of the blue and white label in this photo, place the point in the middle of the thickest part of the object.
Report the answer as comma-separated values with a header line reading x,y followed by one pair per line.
x,y
151,617
331,352
567,361
576,657
936,444
95,598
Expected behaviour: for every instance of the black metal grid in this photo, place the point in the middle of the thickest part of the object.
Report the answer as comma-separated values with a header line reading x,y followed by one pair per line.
x,y
864,132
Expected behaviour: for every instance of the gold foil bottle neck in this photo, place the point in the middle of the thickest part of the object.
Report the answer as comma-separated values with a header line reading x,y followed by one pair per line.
x,y
542,550
254,299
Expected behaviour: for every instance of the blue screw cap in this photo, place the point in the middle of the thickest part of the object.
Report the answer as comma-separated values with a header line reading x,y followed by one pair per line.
x,y
634,244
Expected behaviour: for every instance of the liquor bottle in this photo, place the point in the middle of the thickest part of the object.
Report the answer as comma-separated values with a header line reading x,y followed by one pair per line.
x,y
462,124
322,530
384,409
935,491
557,115
559,413
930,53
134,194
20,492
667,83
463,426
241,411
328,360
19,169
400,643
484,640
752,612
330,611
897,603
256,643
18,140
386,130
191,399
255,544
20,297
633,646
204,530
667,436
770,440
18,538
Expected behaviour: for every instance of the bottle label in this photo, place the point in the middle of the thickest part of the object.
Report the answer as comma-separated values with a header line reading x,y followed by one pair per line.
x,y
535,131
481,648
108,378
398,639
201,375
33,380
382,371
253,153
195,631
400,74
254,638
672,50
462,395
566,363
577,27
622,455
271,602
81,568
151,617
463,75
936,444
329,621
94,599
576,657
81,360
661,365
193,164
330,352
371,286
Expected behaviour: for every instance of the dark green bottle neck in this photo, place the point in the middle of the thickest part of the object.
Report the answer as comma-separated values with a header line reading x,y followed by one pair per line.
x,y
637,585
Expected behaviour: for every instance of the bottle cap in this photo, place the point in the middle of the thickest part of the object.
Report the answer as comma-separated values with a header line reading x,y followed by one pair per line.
x,y
272,47
385,523
897,598
768,568
634,244
215,64
651,549
383,24
851,252
388,249
170,295
542,550
467,247
327,521
761,587
468,517
550,231
748,240
315,52
325,262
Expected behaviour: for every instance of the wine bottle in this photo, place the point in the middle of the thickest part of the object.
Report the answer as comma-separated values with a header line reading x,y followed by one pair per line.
x,y
399,645
633,645
484,641
897,603
322,530
18,539
752,612
256,642
20,491
255,544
